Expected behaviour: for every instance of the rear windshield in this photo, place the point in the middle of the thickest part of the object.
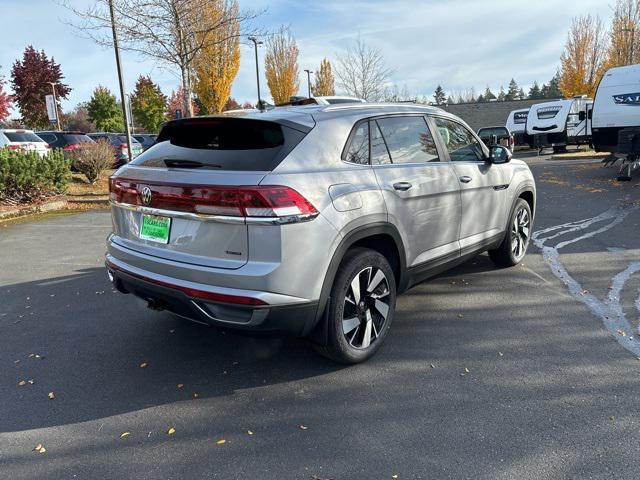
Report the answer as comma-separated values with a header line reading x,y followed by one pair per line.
x,y
222,143
76,138
22,137
487,132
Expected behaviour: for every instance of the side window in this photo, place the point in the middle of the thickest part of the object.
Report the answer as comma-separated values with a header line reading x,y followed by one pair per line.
x,y
379,152
359,147
47,137
460,142
408,139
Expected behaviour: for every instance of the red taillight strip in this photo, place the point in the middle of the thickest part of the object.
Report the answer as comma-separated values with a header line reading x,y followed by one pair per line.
x,y
192,292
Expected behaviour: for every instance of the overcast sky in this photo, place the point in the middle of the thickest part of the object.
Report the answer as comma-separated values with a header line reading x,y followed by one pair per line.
x,y
457,43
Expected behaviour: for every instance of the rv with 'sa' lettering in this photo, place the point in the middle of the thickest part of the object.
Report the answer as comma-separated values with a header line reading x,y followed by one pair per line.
x,y
516,124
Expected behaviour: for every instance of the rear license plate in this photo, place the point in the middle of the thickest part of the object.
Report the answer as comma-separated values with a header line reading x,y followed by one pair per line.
x,y
155,228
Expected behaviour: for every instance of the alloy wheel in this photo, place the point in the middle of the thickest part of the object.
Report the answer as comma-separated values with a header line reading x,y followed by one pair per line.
x,y
366,307
520,233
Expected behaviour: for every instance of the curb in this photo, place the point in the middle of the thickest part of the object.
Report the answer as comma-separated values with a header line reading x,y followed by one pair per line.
x,y
58,204
578,157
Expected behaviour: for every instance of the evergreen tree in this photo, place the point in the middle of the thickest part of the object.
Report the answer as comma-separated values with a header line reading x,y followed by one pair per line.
x,y
480,99
31,80
450,100
148,105
512,92
104,111
488,94
534,92
521,94
501,95
553,90
439,95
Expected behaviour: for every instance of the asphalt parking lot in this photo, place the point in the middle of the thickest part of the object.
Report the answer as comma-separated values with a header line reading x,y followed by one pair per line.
x,y
523,373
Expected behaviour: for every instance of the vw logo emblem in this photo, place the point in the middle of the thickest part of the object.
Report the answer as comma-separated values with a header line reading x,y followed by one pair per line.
x,y
146,196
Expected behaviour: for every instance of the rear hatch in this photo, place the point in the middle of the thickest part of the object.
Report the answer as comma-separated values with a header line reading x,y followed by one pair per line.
x,y
27,141
187,198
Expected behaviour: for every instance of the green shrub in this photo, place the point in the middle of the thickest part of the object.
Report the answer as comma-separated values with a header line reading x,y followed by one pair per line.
x,y
26,176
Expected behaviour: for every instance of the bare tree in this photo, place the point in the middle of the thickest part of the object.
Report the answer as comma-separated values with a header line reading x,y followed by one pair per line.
x,y
362,72
624,36
173,32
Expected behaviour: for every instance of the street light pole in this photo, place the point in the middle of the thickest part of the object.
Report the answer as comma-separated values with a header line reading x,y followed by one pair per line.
x,y
309,72
120,80
55,104
257,42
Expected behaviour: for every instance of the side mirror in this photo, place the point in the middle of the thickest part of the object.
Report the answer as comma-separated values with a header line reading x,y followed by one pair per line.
x,y
499,154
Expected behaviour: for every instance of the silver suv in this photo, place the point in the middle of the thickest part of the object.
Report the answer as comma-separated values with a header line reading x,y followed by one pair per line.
x,y
310,220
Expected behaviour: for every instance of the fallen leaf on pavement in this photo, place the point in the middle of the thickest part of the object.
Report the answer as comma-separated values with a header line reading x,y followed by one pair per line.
x,y
125,434
39,448
500,354
171,431
143,365
222,441
249,432
51,395
302,427
22,382
180,385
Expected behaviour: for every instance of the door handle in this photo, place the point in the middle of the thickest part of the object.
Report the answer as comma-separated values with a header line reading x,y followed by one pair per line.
x,y
465,179
402,186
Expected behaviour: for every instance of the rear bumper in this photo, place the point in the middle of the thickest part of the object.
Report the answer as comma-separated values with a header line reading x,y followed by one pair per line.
x,y
249,310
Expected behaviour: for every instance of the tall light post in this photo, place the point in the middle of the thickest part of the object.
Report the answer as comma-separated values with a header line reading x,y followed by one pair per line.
x,y
257,42
309,72
55,103
123,99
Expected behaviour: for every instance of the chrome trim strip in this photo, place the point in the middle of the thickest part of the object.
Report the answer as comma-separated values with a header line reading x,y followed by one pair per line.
x,y
203,217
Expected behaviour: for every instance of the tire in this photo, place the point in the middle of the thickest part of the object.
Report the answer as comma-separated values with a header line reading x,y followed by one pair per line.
x,y
559,149
516,239
357,322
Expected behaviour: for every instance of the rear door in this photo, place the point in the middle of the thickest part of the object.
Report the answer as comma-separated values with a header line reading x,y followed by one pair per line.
x,y
483,186
188,180
420,190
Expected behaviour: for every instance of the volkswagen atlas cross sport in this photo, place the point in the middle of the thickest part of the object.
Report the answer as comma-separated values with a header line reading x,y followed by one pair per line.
x,y
310,220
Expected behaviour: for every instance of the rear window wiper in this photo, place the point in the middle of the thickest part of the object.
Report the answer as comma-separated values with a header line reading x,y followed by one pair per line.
x,y
178,163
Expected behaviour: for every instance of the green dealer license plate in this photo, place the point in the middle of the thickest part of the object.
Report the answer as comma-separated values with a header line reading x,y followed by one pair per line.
x,y
155,228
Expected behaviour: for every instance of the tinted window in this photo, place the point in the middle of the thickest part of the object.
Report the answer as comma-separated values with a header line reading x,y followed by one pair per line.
x,y
22,137
359,147
76,138
379,152
498,131
47,137
408,139
460,142
223,143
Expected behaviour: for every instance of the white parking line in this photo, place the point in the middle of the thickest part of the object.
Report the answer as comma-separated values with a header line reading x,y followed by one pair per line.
x,y
610,310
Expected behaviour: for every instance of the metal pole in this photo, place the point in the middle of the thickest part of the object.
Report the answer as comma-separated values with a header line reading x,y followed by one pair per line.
x,y
255,44
55,104
309,72
120,80
133,127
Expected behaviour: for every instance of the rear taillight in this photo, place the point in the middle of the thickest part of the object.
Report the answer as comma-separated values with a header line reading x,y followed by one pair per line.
x,y
71,147
268,201
14,147
123,147
512,140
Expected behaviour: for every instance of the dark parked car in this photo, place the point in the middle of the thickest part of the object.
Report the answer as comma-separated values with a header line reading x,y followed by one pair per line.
x,y
497,136
67,141
119,142
146,139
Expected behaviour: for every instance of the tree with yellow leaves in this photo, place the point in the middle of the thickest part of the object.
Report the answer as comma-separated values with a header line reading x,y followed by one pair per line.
x,y
624,37
324,83
582,62
217,63
281,66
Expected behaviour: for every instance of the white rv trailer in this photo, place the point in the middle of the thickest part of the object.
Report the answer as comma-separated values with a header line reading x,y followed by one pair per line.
x,y
616,117
516,124
560,123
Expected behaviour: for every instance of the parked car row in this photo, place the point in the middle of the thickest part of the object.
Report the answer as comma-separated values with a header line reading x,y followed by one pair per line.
x,y
69,141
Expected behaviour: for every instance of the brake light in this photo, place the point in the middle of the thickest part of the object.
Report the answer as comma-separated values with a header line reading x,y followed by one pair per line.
x,y
265,201
71,147
14,147
123,147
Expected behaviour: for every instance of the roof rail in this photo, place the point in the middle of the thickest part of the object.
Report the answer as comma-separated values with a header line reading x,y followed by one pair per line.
x,y
360,106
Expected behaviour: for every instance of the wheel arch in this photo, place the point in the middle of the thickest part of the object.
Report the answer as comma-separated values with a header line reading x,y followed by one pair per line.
x,y
381,237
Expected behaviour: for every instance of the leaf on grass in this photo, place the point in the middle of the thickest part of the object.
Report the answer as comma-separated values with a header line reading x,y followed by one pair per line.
x,y
171,431
125,434
51,395
222,441
143,365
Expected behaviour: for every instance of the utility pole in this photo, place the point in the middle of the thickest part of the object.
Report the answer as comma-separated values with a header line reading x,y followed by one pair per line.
x,y
257,42
55,103
123,99
309,72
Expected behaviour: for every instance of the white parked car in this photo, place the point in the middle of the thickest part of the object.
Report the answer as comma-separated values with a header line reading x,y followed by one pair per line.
x,y
26,140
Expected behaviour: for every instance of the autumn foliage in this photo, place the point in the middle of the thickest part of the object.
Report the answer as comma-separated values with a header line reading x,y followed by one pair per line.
x,y
281,66
324,84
